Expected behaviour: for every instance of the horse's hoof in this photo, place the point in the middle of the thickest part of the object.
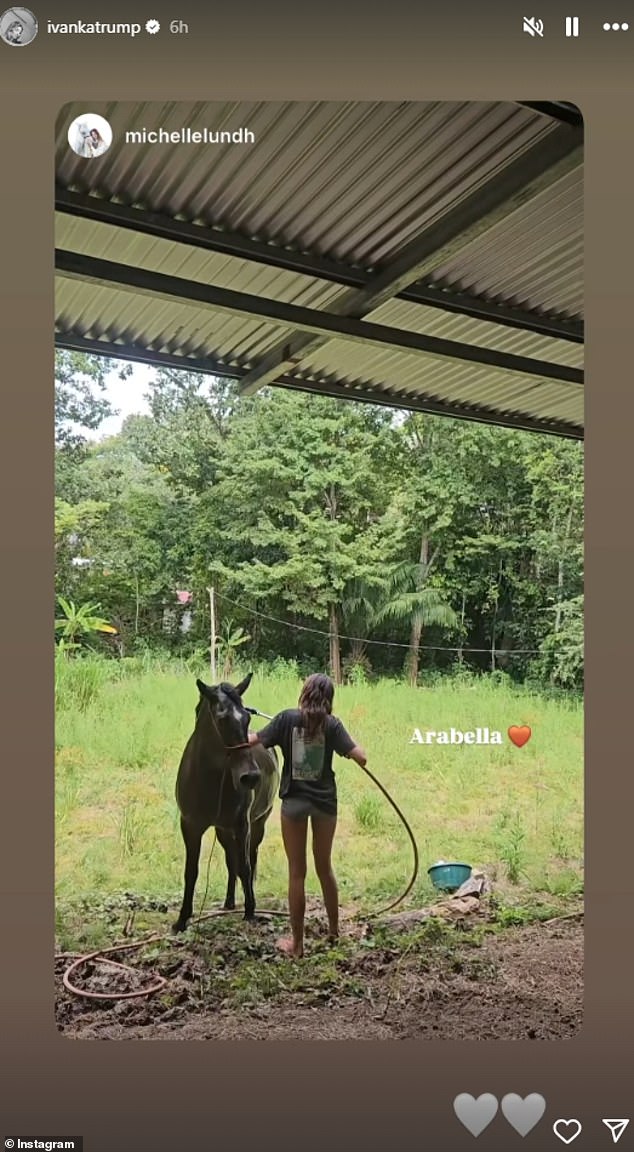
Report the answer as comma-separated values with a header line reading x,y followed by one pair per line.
x,y
229,905
179,926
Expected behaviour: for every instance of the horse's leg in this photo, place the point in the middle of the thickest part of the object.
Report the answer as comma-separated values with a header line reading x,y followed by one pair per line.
x,y
243,844
257,836
226,840
192,835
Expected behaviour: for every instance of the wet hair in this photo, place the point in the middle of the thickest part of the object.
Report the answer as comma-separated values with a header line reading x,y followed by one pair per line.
x,y
315,703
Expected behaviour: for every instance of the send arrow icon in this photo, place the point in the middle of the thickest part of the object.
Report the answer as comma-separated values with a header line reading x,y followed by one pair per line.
x,y
617,1128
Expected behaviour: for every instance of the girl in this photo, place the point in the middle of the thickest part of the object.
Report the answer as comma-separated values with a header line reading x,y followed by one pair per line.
x,y
308,736
96,143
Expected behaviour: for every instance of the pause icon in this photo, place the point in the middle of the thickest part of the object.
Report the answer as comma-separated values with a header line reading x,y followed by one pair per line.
x,y
572,25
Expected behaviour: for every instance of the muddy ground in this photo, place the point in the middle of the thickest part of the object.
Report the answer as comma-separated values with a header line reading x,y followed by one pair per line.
x,y
471,980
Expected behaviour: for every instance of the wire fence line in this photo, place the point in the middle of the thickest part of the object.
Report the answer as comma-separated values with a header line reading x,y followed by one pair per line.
x,y
385,643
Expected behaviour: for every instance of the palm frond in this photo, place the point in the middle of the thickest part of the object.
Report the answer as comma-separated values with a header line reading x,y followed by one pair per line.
x,y
426,604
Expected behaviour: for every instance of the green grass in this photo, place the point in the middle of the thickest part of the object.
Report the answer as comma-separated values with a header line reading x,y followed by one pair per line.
x,y
517,813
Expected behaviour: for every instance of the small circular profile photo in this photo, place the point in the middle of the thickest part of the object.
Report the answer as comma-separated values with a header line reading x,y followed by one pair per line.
x,y
18,27
90,135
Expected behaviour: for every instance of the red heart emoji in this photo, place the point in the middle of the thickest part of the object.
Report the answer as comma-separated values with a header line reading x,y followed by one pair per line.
x,y
519,735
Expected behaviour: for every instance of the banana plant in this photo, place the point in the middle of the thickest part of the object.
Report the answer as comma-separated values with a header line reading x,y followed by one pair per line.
x,y
226,645
78,623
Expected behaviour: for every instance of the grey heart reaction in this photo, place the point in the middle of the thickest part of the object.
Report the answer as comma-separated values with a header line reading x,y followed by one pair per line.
x,y
524,1114
476,1115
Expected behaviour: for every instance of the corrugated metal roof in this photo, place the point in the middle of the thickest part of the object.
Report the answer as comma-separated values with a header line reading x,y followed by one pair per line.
x,y
533,259
409,378
355,183
378,172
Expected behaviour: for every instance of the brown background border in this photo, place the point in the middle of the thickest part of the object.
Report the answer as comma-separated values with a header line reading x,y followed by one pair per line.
x,y
120,1095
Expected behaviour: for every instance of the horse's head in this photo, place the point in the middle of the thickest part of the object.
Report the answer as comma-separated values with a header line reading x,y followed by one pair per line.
x,y
223,705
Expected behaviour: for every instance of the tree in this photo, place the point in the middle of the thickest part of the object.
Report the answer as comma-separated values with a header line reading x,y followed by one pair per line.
x,y
190,416
80,381
317,520
563,648
407,596
134,547
420,526
74,527
300,481
555,472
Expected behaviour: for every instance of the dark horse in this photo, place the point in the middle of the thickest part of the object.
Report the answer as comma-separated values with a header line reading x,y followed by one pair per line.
x,y
224,784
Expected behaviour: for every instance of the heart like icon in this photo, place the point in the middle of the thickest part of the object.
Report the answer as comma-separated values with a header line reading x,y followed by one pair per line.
x,y
476,1115
519,734
567,1130
523,1115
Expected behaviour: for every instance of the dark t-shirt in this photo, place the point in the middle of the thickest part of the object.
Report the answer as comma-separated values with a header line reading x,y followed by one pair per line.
x,y
307,768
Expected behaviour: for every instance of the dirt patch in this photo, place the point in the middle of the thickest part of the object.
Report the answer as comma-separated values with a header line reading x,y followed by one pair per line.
x,y
516,984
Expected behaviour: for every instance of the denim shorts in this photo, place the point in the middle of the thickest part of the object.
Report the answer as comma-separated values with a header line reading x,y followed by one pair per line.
x,y
301,807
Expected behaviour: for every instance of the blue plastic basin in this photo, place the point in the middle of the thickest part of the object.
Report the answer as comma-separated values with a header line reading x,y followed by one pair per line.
x,y
449,877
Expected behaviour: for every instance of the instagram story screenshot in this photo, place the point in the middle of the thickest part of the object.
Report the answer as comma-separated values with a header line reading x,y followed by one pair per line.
x,y
317,613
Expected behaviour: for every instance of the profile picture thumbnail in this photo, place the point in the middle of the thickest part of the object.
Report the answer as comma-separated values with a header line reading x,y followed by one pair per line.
x,y
90,135
18,27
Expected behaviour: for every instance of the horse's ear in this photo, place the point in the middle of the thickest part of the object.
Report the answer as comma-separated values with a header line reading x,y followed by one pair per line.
x,y
244,684
206,690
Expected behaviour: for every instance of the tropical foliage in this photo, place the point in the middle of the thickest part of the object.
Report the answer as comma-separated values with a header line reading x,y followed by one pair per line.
x,y
334,534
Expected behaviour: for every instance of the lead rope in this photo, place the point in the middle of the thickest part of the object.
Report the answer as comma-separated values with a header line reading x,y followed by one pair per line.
x,y
161,982
228,748
402,818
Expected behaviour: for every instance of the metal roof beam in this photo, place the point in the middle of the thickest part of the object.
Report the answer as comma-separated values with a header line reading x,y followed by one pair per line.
x,y
309,321
410,402
530,174
86,207
559,110
464,304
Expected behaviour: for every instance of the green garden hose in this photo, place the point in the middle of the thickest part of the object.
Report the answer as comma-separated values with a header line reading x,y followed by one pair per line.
x,y
399,899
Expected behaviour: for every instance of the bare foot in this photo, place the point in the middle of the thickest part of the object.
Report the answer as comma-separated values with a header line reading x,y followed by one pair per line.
x,y
288,946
